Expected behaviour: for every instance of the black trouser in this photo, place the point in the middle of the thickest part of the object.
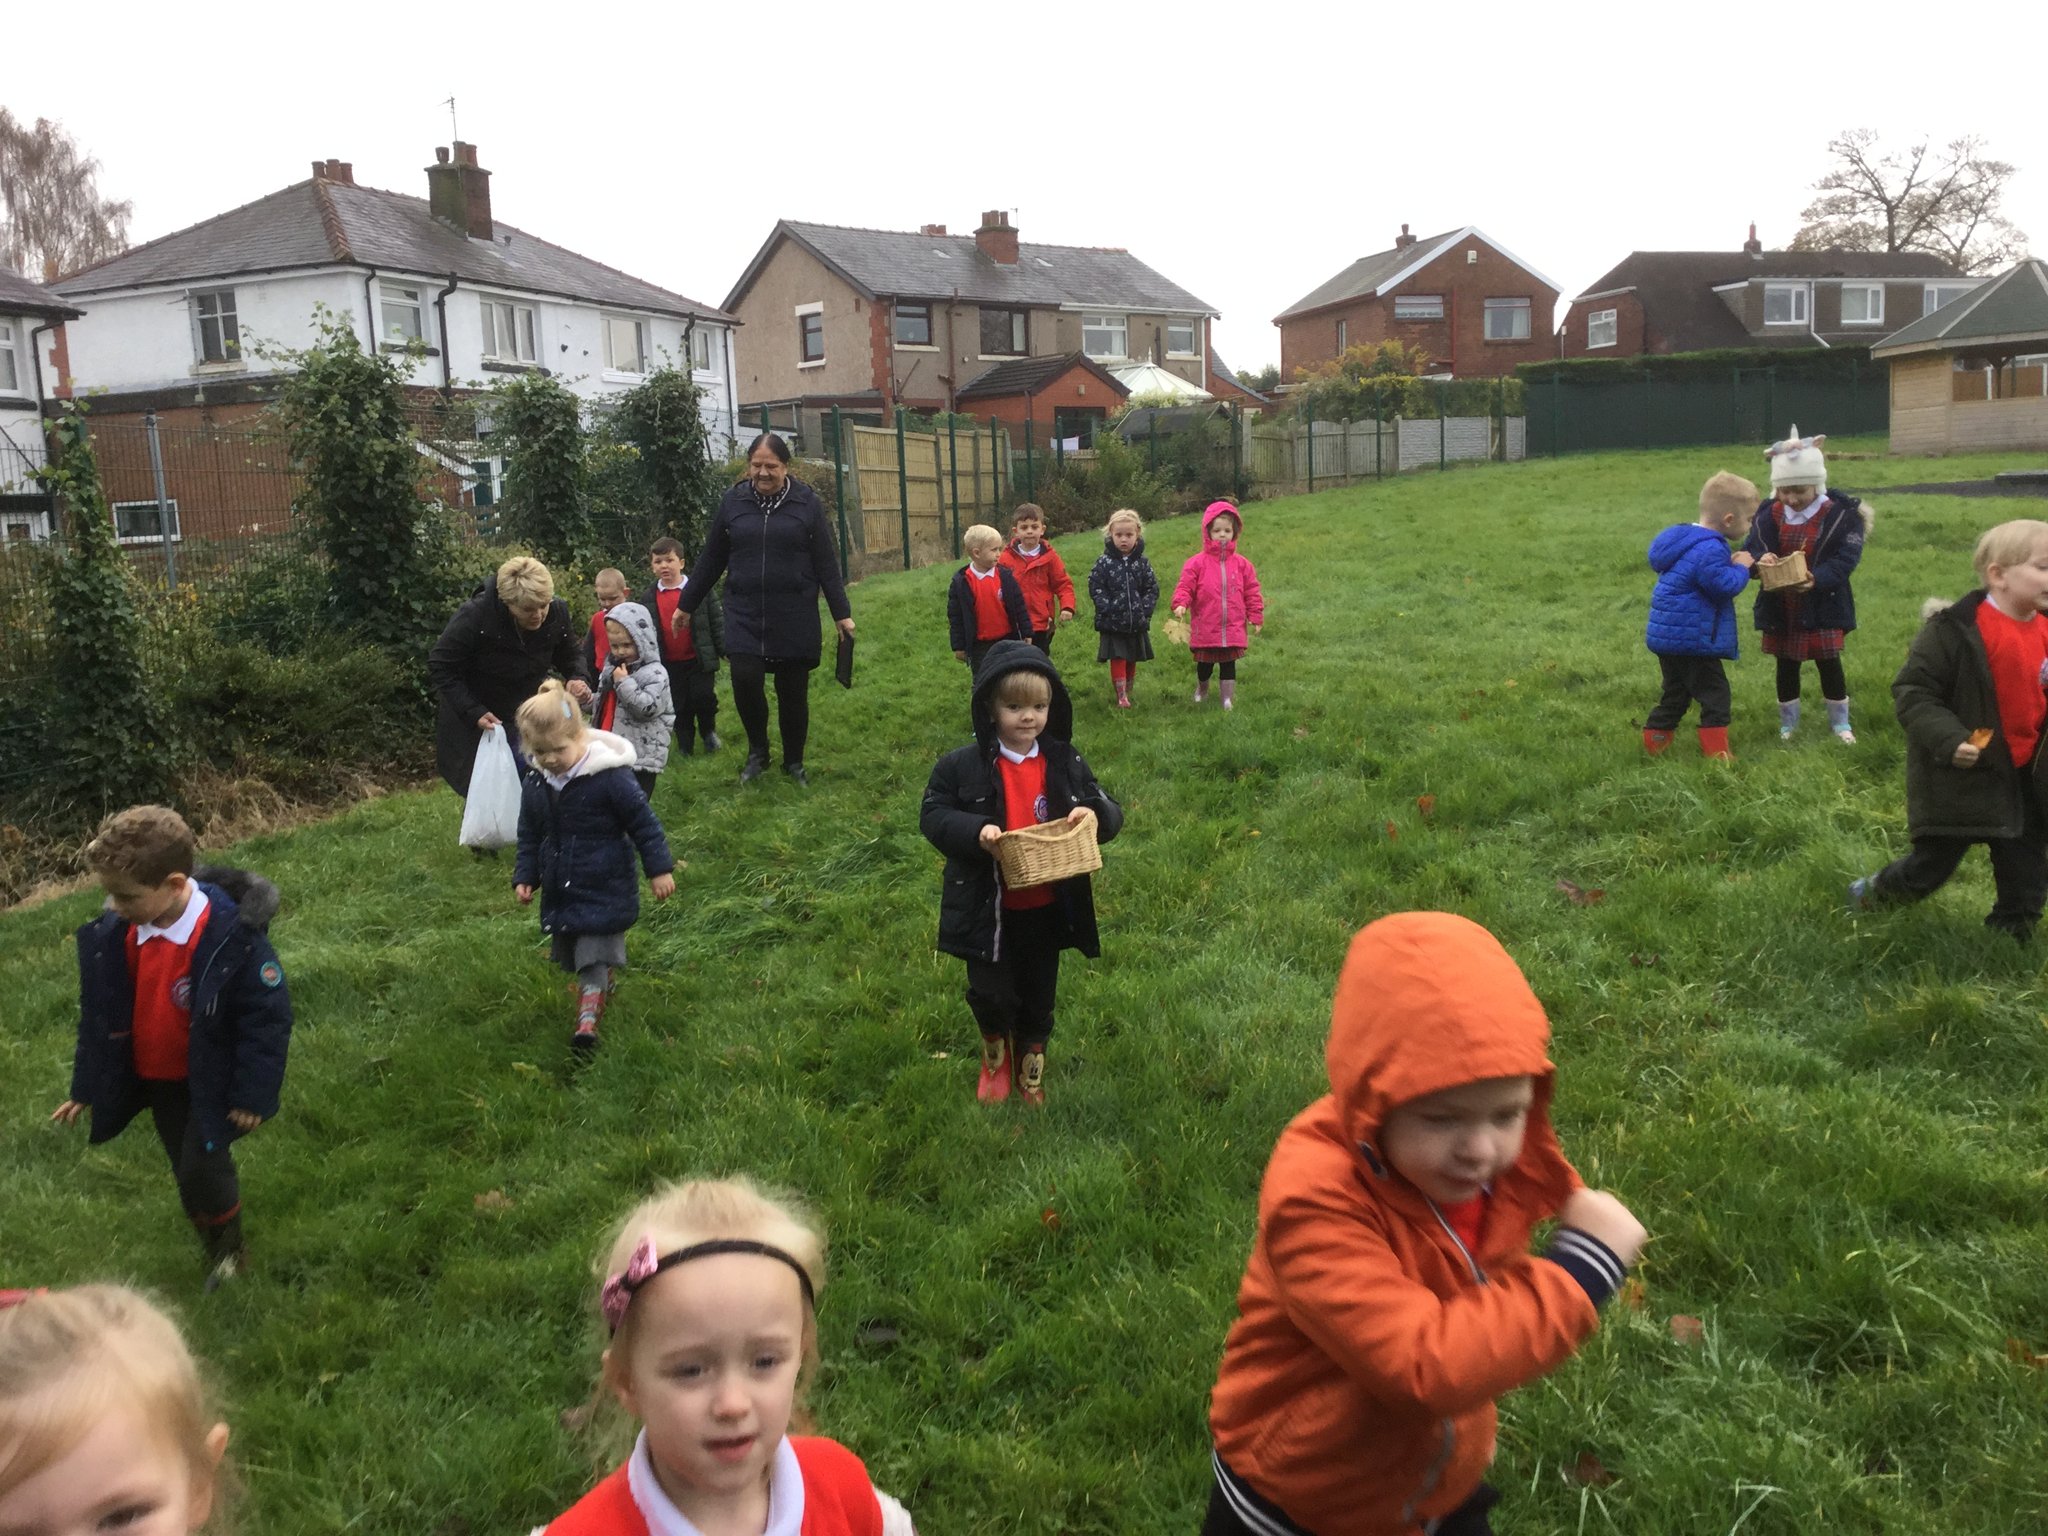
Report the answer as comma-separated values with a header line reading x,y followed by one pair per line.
x,y
980,648
1204,668
208,1187
695,693
750,676
1834,683
2019,869
1013,994
1687,678
1468,1519
646,783
1042,638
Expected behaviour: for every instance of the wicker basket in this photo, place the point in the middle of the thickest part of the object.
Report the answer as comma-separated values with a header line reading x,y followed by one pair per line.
x,y
1054,850
1785,571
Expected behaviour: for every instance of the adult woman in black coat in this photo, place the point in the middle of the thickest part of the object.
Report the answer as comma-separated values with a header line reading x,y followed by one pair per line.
x,y
771,543
495,653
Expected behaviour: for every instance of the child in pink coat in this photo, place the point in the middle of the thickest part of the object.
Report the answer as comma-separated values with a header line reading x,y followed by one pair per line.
x,y
1218,594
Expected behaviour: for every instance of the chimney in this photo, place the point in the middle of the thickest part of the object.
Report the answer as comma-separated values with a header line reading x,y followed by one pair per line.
x,y
932,229
50,272
339,172
996,239
459,193
1752,246
1403,240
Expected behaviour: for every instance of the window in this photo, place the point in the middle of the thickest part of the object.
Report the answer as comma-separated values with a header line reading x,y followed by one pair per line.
x,y
625,344
1507,319
1419,306
10,370
135,522
913,325
1003,332
1785,304
1938,294
810,331
1180,338
1076,426
1862,304
508,332
1602,329
1104,336
485,478
216,334
404,313
704,350
1343,336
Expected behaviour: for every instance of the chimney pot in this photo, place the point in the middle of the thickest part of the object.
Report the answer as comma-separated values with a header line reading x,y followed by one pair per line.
x,y
1403,240
996,239
933,229
440,155
460,193
1752,246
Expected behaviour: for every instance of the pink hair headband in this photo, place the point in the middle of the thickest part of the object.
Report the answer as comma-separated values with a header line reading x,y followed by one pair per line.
x,y
647,1261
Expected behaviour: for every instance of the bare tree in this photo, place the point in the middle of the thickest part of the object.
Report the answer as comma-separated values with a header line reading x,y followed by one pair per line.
x,y
50,204
1945,201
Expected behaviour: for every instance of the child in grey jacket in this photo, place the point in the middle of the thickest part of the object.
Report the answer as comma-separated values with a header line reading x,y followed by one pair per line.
x,y
633,697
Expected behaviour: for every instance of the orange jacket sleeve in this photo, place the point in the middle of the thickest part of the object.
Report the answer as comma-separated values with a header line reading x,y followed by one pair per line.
x,y
1343,1286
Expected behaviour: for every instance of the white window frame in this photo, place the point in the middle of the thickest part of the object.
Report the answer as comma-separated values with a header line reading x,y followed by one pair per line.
x,y
36,524
1801,305
496,314
804,312
1873,312
634,367
1507,306
394,296
231,347
177,523
1118,326
1194,330
704,340
1343,336
1421,307
13,377
1603,321
1929,295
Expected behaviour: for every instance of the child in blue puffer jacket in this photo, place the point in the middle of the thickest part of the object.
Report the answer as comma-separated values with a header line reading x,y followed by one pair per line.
x,y
1692,613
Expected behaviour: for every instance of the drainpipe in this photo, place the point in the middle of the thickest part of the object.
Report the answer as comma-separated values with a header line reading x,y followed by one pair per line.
x,y
370,306
732,404
951,376
448,352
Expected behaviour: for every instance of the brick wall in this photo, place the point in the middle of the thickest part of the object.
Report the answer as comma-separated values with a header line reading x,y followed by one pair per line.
x,y
1629,338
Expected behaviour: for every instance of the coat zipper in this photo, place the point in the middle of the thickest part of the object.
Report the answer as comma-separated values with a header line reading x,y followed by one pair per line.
x,y
1435,1471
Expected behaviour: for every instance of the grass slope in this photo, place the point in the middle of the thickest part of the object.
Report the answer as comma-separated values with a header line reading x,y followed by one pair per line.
x,y
1832,1126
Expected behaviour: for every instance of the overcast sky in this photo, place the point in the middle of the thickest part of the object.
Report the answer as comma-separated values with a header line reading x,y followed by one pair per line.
x,y
1246,151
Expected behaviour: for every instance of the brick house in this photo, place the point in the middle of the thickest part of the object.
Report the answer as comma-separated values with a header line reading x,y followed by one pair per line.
x,y
179,326
877,318
1656,302
29,313
1043,398
1475,307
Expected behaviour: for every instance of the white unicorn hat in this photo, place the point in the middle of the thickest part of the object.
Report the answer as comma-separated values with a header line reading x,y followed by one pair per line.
x,y
1797,460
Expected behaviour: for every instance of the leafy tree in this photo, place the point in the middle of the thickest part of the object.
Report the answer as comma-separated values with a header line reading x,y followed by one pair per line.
x,y
537,424
661,419
50,205
1265,381
344,413
1946,200
117,751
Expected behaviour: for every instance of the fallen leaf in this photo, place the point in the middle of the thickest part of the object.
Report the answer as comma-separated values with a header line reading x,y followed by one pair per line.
x,y
1050,1218
1301,733
1509,683
940,1055
2022,1355
573,1419
1393,832
1253,833
526,1069
1578,895
1643,962
493,1200
1426,804
1588,1471
1634,1294
1687,1329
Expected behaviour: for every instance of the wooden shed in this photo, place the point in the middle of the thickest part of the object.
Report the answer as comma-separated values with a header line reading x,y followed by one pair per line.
x,y
1974,374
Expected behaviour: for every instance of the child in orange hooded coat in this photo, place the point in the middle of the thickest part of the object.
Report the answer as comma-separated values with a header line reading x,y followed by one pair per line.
x,y
1391,1296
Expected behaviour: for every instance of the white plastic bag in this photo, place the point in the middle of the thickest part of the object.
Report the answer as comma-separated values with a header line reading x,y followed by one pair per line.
x,y
491,818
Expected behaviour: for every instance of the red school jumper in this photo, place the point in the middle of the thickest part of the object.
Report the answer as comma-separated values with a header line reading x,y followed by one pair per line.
x,y
162,972
674,646
991,614
2016,649
838,1498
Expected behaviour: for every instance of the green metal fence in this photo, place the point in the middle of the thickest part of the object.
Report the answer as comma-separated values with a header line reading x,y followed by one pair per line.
x,y
1752,405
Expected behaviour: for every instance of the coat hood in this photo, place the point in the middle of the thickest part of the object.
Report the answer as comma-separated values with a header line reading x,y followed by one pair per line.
x,y
1428,1001
1018,656
639,623
255,896
1672,545
1137,550
607,750
1217,509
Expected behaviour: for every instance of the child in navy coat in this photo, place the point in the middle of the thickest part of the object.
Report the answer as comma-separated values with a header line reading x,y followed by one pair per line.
x,y
1124,591
1692,613
984,603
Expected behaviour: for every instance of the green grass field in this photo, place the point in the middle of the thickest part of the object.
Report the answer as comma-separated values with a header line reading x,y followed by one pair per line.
x,y
1832,1126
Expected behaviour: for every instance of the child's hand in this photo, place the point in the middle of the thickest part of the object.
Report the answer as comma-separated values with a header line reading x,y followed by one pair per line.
x,y
1767,559
1180,613
991,834
663,885
1066,615
959,655
244,1120
619,673
68,1112
1745,559
1967,755
1255,630
1079,814
1598,1214
524,893
579,690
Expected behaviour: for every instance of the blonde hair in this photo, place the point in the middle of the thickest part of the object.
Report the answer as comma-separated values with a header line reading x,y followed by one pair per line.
x,y
2009,544
145,843
523,582
68,1358
550,718
610,576
1727,498
1023,685
1122,517
981,536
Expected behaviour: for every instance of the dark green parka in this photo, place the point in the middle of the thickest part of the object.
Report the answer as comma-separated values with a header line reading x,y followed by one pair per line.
x,y
1942,694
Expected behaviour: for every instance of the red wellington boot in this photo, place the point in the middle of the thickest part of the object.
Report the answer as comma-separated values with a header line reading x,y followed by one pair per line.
x,y
1714,743
1031,1075
994,1086
1654,740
